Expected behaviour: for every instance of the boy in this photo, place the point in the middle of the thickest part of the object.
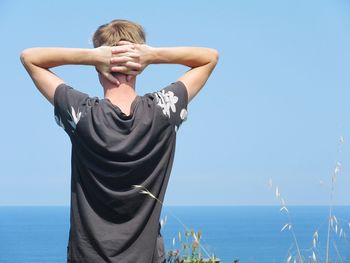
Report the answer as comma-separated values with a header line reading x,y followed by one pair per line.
x,y
119,141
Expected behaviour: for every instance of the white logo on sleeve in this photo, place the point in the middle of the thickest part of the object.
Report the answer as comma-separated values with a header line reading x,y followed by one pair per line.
x,y
167,101
75,117
59,121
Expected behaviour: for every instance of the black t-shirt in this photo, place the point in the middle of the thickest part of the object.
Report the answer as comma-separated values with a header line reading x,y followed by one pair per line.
x,y
110,220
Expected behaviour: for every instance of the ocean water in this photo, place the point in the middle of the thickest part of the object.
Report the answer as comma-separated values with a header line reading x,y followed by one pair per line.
x,y
247,233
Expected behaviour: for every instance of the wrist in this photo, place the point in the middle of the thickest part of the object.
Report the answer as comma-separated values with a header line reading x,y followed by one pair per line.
x,y
95,56
156,55
151,55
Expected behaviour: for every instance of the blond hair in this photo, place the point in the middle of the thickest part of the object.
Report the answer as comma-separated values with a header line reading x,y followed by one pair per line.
x,y
111,33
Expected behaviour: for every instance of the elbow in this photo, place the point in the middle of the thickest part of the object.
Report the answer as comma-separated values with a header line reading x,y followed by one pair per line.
x,y
25,56
214,55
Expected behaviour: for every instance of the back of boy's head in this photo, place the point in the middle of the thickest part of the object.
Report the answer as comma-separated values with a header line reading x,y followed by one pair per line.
x,y
111,33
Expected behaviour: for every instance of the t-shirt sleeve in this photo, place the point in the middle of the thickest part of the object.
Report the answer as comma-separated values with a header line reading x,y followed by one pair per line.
x,y
173,100
68,105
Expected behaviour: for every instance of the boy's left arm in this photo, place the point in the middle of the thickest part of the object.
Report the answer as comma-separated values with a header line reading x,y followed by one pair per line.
x,y
38,62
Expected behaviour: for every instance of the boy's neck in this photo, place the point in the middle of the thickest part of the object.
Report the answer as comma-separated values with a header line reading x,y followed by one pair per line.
x,y
125,92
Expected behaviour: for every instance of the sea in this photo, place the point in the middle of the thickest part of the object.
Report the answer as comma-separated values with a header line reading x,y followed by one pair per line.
x,y
34,234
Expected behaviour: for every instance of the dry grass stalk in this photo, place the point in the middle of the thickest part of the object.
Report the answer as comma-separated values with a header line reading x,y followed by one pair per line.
x,y
288,225
144,190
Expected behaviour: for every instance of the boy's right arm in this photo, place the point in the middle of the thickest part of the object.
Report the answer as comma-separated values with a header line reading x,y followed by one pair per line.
x,y
201,60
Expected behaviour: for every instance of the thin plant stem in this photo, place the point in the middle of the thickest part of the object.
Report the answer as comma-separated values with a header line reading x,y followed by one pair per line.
x,y
291,226
295,239
336,171
337,251
329,226
330,218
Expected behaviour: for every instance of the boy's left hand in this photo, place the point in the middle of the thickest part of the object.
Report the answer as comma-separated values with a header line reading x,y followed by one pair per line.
x,y
118,59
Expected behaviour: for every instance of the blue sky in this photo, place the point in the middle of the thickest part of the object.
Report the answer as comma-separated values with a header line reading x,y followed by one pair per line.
x,y
274,107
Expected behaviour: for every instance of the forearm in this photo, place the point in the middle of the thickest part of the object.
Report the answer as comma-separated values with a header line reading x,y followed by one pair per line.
x,y
189,56
53,57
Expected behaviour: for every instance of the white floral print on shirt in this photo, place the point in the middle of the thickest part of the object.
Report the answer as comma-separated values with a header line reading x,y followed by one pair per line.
x,y
75,117
183,114
59,121
167,101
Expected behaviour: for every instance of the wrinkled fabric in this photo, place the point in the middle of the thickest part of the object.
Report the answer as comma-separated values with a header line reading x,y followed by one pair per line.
x,y
110,219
